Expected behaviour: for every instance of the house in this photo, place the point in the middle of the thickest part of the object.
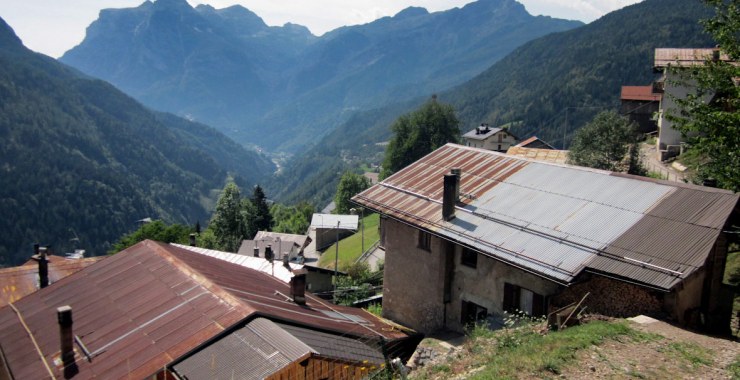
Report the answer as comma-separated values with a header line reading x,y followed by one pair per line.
x,y
281,245
485,137
330,228
534,142
640,104
674,85
161,311
470,234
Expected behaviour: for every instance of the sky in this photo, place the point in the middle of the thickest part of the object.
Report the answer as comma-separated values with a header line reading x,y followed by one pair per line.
x,y
55,26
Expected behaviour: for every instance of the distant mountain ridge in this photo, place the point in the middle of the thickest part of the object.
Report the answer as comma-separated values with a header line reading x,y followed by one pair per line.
x,y
81,159
282,87
553,85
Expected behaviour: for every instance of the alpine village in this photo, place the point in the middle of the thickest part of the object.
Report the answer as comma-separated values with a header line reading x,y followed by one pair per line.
x,y
470,193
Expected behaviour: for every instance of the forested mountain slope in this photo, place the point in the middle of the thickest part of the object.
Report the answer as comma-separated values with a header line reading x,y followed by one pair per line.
x,y
81,159
553,84
281,87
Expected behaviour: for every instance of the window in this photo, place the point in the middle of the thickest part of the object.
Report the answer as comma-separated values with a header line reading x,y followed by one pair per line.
x,y
425,241
472,313
518,298
469,258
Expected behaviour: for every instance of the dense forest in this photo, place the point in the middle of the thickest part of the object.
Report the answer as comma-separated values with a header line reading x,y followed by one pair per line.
x,y
82,162
550,86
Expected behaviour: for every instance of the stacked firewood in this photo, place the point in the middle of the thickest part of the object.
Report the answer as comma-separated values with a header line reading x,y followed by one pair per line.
x,y
610,297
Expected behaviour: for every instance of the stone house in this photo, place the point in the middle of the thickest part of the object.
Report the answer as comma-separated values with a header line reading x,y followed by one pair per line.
x,y
471,233
673,85
485,137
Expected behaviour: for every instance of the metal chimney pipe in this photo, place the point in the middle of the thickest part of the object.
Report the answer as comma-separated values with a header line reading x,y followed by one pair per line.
x,y
64,317
448,197
458,173
43,268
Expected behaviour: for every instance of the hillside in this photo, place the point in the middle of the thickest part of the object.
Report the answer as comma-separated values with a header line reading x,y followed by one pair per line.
x,y
81,159
556,81
281,87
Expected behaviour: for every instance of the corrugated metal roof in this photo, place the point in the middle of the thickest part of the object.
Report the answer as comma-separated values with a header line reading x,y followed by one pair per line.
x,y
275,269
556,220
141,309
254,351
135,311
544,155
335,346
18,282
535,142
342,222
639,93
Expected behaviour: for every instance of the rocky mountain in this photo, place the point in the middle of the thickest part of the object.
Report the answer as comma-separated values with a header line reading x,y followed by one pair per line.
x,y
552,85
281,87
80,159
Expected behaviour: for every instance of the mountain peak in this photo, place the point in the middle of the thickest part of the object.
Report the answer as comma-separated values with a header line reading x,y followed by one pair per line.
x,y
171,4
8,38
411,12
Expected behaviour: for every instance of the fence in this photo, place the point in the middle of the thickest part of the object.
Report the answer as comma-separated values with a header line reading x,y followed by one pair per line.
x,y
662,171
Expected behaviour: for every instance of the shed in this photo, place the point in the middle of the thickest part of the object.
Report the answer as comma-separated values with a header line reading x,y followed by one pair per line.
x,y
330,228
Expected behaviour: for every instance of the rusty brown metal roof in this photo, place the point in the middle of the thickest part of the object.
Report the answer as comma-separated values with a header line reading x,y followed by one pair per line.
x,y
559,220
639,93
18,282
143,308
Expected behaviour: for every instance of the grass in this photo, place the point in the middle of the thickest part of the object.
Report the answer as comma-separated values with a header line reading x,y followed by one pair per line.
x,y
350,247
545,355
734,368
732,277
693,353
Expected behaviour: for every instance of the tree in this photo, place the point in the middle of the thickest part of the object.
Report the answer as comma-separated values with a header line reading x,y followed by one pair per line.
x,y
712,128
419,133
228,223
349,185
156,230
258,213
291,219
602,143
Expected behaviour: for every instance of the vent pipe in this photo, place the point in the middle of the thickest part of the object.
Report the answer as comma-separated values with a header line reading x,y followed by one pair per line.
x,y
64,317
43,268
448,197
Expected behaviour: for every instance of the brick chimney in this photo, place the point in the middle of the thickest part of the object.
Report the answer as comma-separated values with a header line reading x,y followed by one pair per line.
x,y
298,286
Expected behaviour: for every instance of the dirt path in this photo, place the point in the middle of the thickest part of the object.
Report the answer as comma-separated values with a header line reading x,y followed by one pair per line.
x,y
672,353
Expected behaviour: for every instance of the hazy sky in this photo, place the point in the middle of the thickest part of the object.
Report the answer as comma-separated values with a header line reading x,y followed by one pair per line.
x,y
55,26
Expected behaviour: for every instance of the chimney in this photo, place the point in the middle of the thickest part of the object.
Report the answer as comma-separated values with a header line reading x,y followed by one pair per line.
x,y
192,240
715,54
448,197
458,173
64,316
709,182
256,251
286,261
43,267
298,286
268,253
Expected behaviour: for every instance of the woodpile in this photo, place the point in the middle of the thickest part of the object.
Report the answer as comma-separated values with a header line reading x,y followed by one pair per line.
x,y
610,297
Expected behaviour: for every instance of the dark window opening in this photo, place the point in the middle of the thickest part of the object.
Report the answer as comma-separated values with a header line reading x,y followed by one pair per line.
x,y
469,258
517,298
472,313
425,241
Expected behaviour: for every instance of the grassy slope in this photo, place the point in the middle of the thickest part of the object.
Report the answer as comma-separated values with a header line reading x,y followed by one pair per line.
x,y
350,247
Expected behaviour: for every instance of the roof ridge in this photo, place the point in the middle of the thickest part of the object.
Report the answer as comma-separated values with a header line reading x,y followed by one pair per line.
x,y
162,250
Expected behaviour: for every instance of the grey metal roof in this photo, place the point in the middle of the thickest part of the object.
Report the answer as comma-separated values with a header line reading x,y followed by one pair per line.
x,y
343,222
336,346
255,351
556,220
